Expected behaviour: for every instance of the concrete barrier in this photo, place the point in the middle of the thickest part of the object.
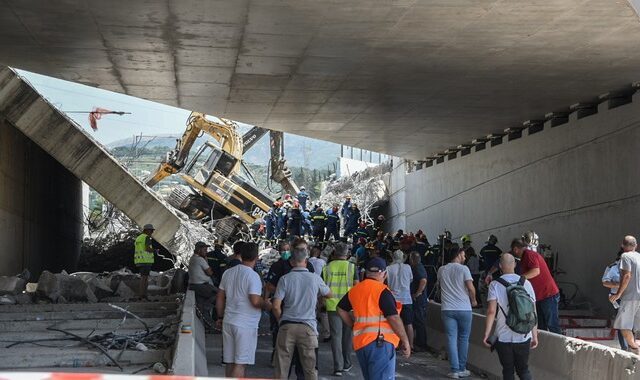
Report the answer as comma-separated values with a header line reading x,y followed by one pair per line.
x,y
190,356
557,356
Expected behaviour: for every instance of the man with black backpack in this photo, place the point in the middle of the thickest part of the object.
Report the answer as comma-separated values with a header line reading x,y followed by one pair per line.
x,y
511,303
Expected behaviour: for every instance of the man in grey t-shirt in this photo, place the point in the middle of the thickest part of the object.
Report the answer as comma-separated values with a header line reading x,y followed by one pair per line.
x,y
200,282
628,318
299,289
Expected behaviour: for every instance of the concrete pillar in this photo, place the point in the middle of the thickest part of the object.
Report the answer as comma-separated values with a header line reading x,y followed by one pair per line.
x,y
40,208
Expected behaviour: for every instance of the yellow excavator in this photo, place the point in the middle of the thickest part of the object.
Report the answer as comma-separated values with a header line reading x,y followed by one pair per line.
x,y
215,191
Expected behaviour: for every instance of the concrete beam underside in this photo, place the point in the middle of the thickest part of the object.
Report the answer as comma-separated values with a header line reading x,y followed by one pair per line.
x,y
408,78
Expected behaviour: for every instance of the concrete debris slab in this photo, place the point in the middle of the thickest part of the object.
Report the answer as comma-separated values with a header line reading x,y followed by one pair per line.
x,y
125,292
62,287
24,298
7,300
367,188
12,285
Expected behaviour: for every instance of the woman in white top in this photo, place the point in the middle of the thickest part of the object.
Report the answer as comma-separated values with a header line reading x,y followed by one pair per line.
x,y
400,276
458,296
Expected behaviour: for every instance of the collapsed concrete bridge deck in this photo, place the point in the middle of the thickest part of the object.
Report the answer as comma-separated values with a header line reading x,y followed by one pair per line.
x,y
71,156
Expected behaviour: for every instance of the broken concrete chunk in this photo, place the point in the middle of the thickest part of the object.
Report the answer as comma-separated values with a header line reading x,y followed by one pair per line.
x,y
125,292
90,296
48,286
155,290
24,298
61,286
7,300
12,285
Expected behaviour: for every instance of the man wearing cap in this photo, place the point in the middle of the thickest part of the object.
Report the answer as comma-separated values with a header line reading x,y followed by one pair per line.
x,y
201,283
376,324
143,257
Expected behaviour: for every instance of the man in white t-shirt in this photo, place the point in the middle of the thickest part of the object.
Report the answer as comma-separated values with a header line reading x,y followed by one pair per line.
x,y
628,318
315,260
399,276
239,301
513,348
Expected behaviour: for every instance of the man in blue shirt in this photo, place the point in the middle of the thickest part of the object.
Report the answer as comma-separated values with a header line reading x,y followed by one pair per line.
x,y
303,197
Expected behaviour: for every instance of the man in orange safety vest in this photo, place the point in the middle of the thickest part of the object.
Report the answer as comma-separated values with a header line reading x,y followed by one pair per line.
x,y
377,327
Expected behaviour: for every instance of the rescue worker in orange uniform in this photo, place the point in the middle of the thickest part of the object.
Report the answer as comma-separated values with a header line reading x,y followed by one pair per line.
x,y
377,327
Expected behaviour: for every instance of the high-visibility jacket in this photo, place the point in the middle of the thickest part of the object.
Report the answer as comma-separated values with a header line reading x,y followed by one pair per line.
x,y
142,255
369,320
338,275
319,219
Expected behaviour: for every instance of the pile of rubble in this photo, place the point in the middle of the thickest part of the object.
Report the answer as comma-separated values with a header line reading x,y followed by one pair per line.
x,y
116,286
367,188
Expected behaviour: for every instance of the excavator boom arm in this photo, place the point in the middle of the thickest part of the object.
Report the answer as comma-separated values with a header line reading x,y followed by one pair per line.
x,y
225,133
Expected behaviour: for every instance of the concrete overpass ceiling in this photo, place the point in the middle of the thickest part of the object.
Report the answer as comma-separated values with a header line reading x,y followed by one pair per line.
x,y
402,77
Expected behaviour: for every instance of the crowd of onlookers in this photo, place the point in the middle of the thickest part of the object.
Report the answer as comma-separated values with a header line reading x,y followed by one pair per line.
x,y
374,289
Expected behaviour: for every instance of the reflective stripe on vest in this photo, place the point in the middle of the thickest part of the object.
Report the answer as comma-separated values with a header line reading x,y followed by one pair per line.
x,y
141,256
368,330
365,300
338,275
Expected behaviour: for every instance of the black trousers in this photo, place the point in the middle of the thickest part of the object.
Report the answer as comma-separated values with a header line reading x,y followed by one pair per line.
x,y
205,299
514,356
419,326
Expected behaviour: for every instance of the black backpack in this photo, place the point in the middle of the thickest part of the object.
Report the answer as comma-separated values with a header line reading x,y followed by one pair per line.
x,y
522,317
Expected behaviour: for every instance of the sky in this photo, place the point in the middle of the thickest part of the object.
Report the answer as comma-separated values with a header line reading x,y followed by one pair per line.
x,y
148,118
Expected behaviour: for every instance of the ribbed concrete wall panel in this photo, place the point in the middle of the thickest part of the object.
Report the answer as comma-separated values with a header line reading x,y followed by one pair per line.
x,y
60,137
575,184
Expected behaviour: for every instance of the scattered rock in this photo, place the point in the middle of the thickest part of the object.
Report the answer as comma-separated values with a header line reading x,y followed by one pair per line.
x,y
24,298
12,285
62,287
7,300
155,290
125,292
179,282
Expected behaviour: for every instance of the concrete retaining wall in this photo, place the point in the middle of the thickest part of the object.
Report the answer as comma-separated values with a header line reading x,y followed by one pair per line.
x,y
576,185
40,216
557,357
190,356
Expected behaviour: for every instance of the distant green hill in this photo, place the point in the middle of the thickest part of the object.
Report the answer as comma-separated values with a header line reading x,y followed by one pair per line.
x,y
299,151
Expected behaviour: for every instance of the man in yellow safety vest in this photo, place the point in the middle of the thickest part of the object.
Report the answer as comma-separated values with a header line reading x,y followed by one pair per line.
x,y
143,257
340,275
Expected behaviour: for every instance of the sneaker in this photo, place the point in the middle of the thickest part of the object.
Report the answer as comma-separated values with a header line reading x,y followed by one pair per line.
x,y
337,373
453,375
465,373
347,369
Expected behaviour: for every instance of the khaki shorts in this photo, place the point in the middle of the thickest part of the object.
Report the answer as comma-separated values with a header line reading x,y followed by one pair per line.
x,y
239,344
628,317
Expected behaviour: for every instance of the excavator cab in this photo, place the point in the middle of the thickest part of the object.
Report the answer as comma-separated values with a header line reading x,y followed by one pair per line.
x,y
210,158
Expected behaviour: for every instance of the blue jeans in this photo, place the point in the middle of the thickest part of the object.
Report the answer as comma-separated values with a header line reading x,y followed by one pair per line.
x,y
377,363
547,310
457,325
